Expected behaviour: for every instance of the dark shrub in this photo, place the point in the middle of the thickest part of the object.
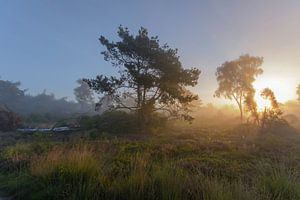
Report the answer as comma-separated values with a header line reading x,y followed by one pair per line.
x,y
120,122
116,122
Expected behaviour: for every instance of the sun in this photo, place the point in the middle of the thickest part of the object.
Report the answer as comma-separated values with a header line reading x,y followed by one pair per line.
x,y
283,89
262,103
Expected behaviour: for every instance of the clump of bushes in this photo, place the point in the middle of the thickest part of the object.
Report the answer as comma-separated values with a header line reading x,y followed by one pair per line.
x,y
120,122
116,122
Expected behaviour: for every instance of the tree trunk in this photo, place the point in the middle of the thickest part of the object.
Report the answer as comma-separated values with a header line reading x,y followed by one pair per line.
x,y
141,123
241,112
140,115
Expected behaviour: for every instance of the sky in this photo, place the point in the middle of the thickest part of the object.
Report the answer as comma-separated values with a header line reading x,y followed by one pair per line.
x,y
49,44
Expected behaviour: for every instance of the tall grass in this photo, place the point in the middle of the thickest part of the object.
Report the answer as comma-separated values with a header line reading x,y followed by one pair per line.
x,y
278,182
156,169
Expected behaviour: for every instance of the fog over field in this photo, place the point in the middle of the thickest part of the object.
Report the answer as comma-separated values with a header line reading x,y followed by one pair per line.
x,y
154,100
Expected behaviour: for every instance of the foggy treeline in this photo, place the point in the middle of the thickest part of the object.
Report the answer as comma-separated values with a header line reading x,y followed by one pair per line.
x,y
19,101
48,106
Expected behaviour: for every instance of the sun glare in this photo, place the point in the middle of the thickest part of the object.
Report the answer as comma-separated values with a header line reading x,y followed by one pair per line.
x,y
262,103
282,88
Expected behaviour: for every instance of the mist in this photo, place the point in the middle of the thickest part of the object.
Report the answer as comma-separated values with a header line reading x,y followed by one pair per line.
x,y
24,104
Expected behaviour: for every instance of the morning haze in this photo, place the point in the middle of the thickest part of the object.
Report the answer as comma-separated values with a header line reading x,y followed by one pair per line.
x,y
154,100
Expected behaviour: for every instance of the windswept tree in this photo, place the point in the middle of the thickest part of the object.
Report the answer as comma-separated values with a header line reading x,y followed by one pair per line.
x,y
272,114
235,79
83,94
149,74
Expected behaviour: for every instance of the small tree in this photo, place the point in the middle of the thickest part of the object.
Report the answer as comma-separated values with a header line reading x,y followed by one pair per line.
x,y
150,75
271,115
235,78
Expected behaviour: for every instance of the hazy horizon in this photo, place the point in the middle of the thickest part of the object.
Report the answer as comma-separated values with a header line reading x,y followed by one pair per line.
x,y
50,44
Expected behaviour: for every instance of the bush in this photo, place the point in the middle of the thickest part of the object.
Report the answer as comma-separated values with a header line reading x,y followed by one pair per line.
x,y
120,122
116,122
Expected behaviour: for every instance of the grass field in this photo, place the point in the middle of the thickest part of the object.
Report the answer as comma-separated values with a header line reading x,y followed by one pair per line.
x,y
183,162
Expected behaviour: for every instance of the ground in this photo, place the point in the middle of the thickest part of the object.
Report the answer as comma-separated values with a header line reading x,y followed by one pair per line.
x,y
180,162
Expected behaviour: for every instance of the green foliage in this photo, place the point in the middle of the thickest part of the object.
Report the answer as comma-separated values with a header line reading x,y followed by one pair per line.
x,y
227,165
279,183
119,122
116,122
151,77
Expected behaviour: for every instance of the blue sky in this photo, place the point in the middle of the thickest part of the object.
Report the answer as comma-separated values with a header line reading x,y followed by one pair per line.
x,y
49,44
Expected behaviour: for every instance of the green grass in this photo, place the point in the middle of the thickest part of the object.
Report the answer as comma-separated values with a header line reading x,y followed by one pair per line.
x,y
216,165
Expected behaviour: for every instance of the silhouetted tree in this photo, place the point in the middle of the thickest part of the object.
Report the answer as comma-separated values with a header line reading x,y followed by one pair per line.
x,y
271,115
235,78
150,74
84,95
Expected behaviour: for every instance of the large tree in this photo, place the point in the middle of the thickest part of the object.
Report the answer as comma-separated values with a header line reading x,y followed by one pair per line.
x,y
150,75
235,79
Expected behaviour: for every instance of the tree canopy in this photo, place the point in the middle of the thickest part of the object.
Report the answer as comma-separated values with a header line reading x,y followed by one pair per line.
x,y
149,74
235,78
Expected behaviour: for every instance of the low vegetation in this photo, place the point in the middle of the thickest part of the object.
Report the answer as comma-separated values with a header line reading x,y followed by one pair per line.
x,y
237,162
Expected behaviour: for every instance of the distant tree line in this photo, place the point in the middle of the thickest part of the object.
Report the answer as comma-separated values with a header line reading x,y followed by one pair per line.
x,y
17,100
